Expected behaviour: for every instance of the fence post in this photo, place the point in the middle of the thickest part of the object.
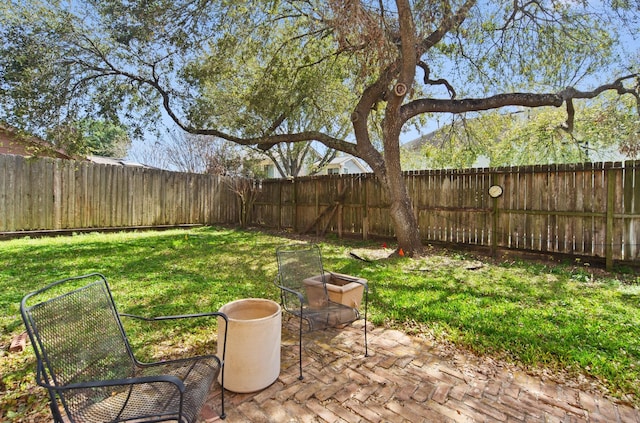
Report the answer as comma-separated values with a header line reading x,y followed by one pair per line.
x,y
494,217
294,205
608,246
317,204
339,207
57,194
365,209
279,212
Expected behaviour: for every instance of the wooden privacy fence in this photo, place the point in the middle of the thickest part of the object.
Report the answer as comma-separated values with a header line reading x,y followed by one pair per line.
x,y
586,209
54,194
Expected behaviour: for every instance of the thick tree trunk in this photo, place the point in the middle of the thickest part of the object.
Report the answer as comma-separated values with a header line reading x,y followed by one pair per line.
x,y
404,219
389,174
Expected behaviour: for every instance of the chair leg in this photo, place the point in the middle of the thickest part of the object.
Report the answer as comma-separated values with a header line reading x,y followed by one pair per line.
x,y
366,301
300,344
55,411
222,413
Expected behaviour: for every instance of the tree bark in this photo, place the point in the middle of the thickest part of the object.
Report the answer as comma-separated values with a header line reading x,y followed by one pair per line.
x,y
404,219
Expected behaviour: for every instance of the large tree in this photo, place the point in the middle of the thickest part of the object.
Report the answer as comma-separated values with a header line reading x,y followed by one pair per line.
x,y
253,72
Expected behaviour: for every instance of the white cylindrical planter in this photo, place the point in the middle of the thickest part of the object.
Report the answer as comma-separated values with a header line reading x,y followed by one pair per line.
x,y
252,359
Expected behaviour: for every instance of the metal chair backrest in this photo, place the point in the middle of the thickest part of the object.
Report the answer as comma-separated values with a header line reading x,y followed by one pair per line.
x,y
76,332
297,263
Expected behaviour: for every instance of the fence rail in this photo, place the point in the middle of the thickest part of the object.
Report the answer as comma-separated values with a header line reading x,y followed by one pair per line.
x,y
587,209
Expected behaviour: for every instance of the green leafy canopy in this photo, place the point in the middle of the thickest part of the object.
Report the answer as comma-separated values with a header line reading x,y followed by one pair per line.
x,y
254,68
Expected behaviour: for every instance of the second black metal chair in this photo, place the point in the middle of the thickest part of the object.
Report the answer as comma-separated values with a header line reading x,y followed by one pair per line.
x,y
303,287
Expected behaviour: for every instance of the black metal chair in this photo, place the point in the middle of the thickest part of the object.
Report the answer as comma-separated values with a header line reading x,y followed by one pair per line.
x,y
86,363
303,292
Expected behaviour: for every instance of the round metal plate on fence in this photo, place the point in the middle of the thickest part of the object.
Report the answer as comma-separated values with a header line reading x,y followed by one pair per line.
x,y
495,191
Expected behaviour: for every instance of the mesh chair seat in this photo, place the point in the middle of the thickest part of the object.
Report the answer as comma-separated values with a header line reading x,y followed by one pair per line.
x,y
157,400
86,362
328,316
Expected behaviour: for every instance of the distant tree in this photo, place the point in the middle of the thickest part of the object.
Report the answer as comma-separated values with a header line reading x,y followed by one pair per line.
x,y
90,137
152,152
227,158
104,138
186,152
290,159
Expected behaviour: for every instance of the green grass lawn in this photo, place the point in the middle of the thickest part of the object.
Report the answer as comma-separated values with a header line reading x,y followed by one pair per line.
x,y
569,320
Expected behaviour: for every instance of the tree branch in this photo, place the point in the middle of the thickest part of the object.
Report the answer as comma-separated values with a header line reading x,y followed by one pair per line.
x,y
271,140
448,23
360,116
429,105
571,114
263,142
441,81
420,106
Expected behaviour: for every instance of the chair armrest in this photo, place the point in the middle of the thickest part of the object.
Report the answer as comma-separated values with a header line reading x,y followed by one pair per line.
x,y
110,382
186,316
181,316
129,381
291,291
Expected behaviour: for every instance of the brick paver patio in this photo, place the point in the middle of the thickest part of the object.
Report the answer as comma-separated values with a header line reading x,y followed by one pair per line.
x,y
405,379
